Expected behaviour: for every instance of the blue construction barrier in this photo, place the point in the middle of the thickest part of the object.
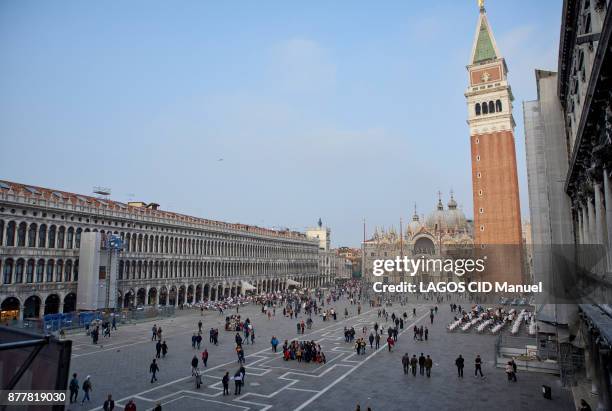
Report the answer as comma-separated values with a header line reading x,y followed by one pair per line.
x,y
55,322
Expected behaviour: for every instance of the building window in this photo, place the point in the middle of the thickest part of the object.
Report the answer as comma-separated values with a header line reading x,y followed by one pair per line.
x,y
481,210
32,236
50,266
498,105
52,231
21,235
68,271
10,234
42,236
30,272
19,268
478,157
61,234
491,107
480,193
482,228
476,140
478,175
59,271
40,270
69,238
485,108
477,109
77,238
8,271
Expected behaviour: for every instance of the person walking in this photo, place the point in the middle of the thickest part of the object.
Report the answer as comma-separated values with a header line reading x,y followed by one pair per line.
x,y
87,387
406,362
509,371
164,348
109,404
371,339
242,372
194,365
377,341
154,332
390,343
422,364
130,406
158,347
478,366
200,326
74,388
274,342
513,364
205,357
240,354
428,365
225,382
460,362
413,365
153,369
198,379
237,383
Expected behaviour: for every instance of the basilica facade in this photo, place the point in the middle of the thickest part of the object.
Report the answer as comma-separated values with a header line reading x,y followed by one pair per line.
x,y
444,233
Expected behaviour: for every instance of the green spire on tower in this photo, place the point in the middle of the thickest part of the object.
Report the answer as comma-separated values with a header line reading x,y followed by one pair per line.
x,y
484,45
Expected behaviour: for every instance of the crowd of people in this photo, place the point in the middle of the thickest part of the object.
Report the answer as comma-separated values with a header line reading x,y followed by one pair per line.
x,y
304,307
306,351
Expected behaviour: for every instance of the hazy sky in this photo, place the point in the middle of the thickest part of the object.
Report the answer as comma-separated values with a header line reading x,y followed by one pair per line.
x,y
340,110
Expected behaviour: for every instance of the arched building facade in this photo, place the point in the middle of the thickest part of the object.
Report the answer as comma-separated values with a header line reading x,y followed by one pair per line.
x,y
168,258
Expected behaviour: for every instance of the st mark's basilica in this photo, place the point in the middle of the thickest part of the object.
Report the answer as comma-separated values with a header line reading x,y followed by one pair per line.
x,y
444,233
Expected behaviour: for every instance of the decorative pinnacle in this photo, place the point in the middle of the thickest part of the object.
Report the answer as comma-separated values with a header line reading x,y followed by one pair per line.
x,y
481,5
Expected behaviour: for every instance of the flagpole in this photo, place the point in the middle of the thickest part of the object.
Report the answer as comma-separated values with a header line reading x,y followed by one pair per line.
x,y
363,251
401,233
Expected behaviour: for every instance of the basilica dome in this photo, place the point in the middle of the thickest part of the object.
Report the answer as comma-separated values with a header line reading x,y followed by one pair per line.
x,y
450,219
415,225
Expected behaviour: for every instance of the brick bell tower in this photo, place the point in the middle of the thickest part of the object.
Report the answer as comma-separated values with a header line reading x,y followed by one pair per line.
x,y
497,215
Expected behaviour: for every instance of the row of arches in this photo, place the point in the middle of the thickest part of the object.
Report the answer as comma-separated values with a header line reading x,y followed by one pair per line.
x,y
194,293
35,306
14,234
23,234
154,243
488,108
41,270
139,269
18,307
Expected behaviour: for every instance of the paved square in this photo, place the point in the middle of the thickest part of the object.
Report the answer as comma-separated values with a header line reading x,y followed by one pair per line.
x,y
120,366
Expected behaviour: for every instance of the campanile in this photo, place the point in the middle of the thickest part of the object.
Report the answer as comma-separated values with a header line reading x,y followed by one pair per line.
x,y
497,216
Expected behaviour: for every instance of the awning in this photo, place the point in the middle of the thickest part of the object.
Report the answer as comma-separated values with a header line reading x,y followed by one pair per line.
x,y
244,286
293,282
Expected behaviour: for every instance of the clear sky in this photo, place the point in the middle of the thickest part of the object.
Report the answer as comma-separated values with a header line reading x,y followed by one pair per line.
x,y
333,109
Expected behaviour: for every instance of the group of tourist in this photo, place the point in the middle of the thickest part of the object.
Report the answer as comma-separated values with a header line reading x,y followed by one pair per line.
x,y
307,351
424,363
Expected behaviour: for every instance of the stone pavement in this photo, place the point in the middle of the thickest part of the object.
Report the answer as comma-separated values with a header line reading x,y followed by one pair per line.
x,y
120,366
